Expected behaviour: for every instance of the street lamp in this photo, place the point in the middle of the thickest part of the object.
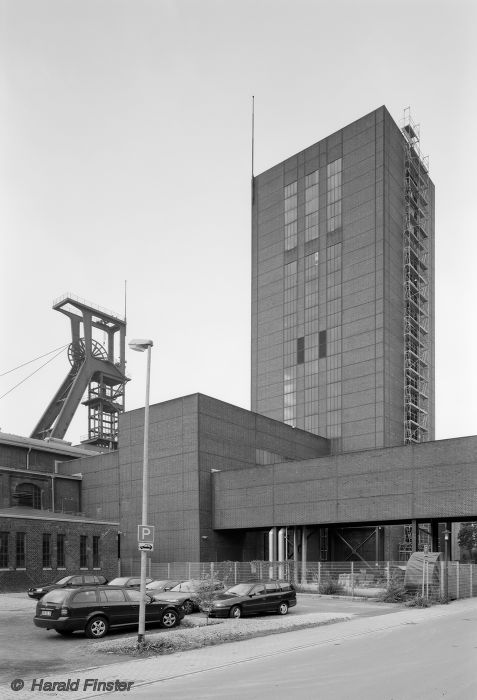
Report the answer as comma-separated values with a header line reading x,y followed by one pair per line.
x,y
140,345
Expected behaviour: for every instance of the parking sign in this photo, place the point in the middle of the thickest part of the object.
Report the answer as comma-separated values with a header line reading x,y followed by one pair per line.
x,y
145,533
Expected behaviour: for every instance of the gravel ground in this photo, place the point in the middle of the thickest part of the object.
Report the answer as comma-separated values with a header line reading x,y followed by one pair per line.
x,y
195,633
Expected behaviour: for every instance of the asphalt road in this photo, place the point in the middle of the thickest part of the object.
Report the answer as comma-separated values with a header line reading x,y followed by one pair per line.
x,y
27,651
427,660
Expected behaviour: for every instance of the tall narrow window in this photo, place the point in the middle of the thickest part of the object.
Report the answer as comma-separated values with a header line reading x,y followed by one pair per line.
x,y
300,351
3,550
291,209
46,550
334,195
96,557
20,559
60,551
322,344
311,205
83,552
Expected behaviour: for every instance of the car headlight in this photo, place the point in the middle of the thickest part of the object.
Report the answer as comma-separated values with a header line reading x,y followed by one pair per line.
x,y
38,590
219,605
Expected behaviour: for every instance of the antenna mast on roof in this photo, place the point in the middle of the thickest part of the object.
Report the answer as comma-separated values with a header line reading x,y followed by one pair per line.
x,y
253,129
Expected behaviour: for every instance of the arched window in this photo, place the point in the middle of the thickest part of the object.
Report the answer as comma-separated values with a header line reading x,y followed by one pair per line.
x,y
28,495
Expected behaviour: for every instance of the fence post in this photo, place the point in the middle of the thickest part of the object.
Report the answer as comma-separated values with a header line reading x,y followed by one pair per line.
x,y
470,581
458,579
441,580
169,570
388,574
211,569
352,579
189,571
319,575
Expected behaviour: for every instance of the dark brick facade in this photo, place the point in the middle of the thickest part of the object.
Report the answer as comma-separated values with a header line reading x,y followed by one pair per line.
x,y
16,578
37,500
430,481
189,438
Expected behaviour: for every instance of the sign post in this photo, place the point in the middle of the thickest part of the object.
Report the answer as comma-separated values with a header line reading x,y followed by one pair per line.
x,y
145,538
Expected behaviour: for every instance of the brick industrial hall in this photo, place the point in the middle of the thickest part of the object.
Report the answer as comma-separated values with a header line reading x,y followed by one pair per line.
x,y
336,461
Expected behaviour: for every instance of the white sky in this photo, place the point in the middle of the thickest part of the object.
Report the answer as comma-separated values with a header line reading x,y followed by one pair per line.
x,y
125,155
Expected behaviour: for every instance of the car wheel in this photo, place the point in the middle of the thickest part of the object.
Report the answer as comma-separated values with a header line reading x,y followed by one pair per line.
x,y
64,633
283,608
188,606
96,628
169,618
235,612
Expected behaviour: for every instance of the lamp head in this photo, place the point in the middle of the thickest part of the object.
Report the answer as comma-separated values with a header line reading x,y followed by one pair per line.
x,y
140,344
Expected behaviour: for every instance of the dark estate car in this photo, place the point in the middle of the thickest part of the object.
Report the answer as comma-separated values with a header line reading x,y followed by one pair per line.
x,y
68,582
94,610
128,581
254,597
183,594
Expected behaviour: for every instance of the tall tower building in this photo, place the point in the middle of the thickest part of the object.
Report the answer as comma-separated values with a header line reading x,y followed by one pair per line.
x,y
342,287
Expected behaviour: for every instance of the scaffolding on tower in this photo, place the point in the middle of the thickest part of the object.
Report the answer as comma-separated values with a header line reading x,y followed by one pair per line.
x,y
416,286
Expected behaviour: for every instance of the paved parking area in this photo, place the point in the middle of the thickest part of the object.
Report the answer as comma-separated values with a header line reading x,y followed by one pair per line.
x,y
29,651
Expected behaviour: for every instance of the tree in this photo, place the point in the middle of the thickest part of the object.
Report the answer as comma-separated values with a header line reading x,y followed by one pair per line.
x,y
206,593
467,537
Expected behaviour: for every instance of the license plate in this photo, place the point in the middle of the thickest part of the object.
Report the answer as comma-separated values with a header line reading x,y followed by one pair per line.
x,y
46,612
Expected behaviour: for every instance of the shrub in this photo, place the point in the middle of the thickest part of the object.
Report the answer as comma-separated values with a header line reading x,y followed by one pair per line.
x,y
395,591
205,594
418,601
330,587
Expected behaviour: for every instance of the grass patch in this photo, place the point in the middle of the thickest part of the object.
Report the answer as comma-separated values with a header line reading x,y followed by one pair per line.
x,y
222,632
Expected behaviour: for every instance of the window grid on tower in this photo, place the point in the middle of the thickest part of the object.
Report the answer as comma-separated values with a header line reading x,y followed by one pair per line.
x,y
312,197
334,347
290,343
291,211
333,210
311,341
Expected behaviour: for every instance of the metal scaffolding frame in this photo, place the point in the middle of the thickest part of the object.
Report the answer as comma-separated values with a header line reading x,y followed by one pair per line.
x,y
416,285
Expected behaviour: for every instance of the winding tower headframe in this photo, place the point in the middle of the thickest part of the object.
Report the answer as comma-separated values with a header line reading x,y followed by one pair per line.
x,y
97,370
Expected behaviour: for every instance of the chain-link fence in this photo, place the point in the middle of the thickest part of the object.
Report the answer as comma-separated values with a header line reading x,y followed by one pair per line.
x,y
355,578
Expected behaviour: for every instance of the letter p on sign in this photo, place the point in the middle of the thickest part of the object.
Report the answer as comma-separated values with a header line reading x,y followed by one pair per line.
x,y
145,533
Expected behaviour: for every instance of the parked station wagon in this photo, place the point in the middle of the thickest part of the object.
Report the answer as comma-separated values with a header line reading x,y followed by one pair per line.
x,y
254,597
93,610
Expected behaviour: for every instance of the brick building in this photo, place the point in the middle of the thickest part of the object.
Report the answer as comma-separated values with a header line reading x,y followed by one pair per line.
x,y
343,288
44,533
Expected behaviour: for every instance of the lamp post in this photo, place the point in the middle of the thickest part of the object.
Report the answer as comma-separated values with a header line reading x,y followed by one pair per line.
x,y
140,345
446,564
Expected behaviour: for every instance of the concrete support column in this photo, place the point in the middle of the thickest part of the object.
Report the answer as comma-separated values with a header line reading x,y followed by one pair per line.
x,y
434,525
414,536
272,549
304,545
449,544
281,551
379,544
281,544
296,560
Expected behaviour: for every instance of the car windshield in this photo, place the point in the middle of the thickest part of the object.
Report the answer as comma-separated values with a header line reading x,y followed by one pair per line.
x,y
185,586
63,580
57,596
118,581
156,584
240,589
